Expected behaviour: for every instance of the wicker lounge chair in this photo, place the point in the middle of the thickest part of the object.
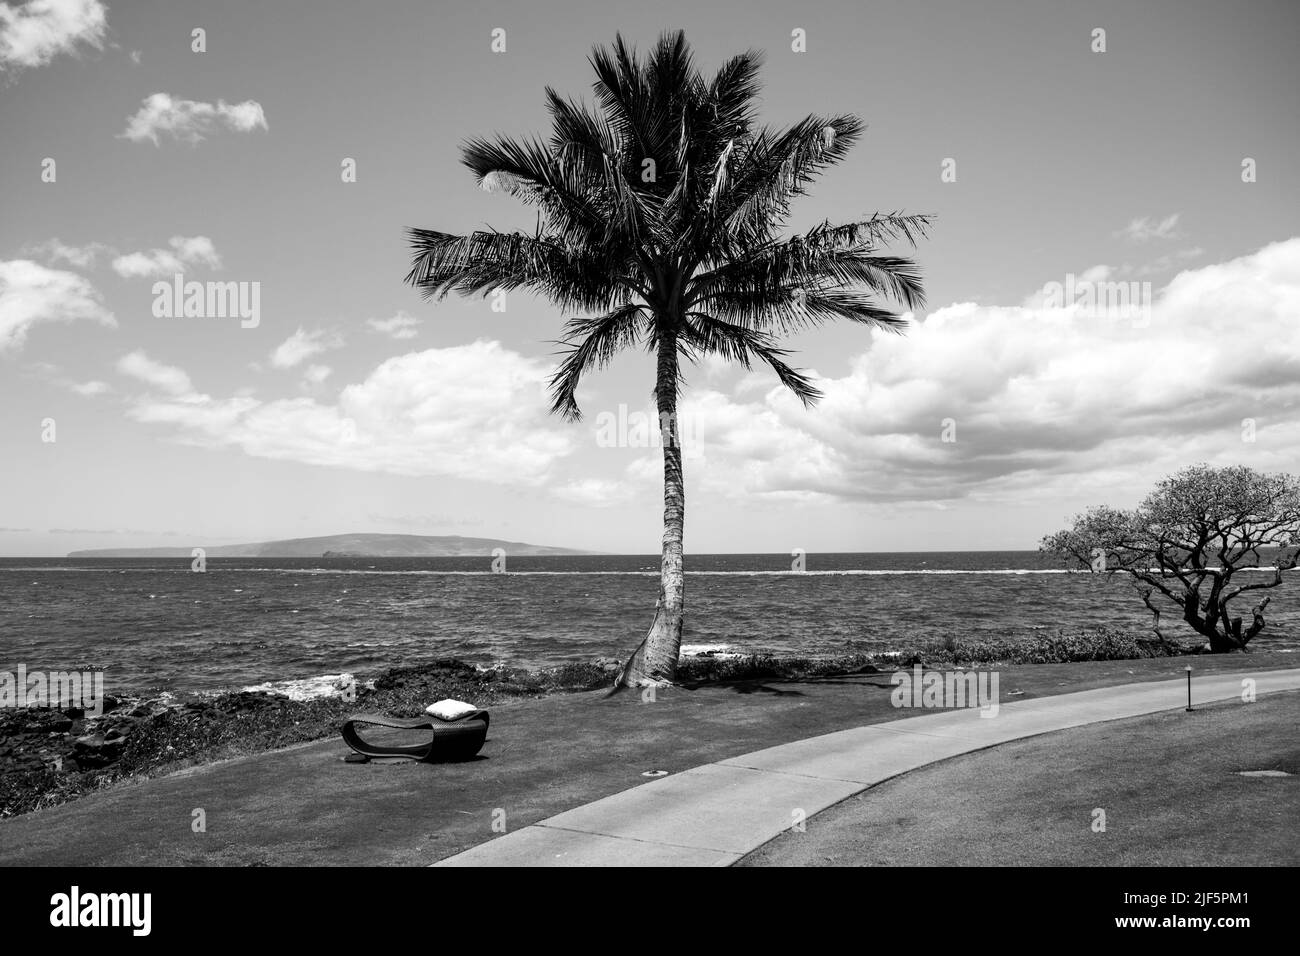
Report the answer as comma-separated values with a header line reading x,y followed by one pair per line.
x,y
451,740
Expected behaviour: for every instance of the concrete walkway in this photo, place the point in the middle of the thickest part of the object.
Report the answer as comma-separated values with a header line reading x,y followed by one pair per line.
x,y
713,814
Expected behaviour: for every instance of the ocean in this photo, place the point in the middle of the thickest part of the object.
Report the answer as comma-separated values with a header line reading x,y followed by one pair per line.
x,y
155,625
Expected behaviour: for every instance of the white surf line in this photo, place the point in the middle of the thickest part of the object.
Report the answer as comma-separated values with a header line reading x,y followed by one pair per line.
x,y
714,814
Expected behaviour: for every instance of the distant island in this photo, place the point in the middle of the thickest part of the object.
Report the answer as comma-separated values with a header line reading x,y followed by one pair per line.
x,y
346,546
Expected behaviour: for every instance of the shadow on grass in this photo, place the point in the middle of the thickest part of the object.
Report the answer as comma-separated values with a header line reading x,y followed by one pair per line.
x,y
399,760
777,685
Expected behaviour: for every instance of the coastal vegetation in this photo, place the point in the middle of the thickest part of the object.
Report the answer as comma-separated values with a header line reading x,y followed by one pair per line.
x,y
1196,543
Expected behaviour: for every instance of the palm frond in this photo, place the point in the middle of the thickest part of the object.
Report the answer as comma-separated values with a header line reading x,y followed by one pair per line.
x,y
528,171
777,168
824,255
707,335
483,262
592,343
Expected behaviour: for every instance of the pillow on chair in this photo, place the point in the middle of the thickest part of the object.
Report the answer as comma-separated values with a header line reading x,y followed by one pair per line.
x,y
450,709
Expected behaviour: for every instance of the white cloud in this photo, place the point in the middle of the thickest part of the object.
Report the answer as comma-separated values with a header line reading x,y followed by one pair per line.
x,y
55,250
302,345
403,325
31,293
52,373
1044,401
190,121
595,492
477,411
33,33
1146,228
1047,403
165,378
315,374
185,251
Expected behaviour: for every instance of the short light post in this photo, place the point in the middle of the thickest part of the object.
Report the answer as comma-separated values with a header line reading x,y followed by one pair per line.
x,y
1189,687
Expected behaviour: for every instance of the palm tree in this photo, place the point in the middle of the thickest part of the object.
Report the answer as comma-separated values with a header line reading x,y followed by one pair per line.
x,y
658,219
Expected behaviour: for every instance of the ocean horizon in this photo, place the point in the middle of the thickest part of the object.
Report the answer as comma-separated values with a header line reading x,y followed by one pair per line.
x,y
297,624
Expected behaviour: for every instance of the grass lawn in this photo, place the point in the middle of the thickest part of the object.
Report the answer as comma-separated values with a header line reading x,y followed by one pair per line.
x,y
1168,784
304,806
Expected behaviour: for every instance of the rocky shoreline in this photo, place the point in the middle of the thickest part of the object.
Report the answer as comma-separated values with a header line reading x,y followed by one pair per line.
x,y
49,756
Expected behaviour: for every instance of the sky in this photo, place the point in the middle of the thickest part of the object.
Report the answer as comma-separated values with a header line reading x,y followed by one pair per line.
x,y
1168,159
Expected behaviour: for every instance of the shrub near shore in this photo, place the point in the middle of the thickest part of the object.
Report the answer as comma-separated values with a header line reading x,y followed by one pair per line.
x,y
50,756
1100,644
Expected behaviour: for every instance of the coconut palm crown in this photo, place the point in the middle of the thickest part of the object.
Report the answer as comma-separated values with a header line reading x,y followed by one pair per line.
x,y
660,221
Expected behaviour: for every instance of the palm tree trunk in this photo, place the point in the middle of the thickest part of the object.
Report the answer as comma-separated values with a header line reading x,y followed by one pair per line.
x,y
655,659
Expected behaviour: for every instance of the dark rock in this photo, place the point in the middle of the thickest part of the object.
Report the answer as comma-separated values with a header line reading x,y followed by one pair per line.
x,y
155,707
38,721
249,700
95,750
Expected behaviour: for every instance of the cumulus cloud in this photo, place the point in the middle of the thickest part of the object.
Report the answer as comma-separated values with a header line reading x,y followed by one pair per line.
x,y
1041,401
35,32
1147,228
1038,400
403,325
476,411
55,251
31,294
190,121
90,389
302,345
52,373
164,378
183,252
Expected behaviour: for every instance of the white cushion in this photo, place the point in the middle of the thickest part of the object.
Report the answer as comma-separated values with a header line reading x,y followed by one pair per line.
x,y
450,709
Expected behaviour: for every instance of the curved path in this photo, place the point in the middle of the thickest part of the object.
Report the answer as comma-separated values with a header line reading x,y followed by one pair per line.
x,y
713,814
